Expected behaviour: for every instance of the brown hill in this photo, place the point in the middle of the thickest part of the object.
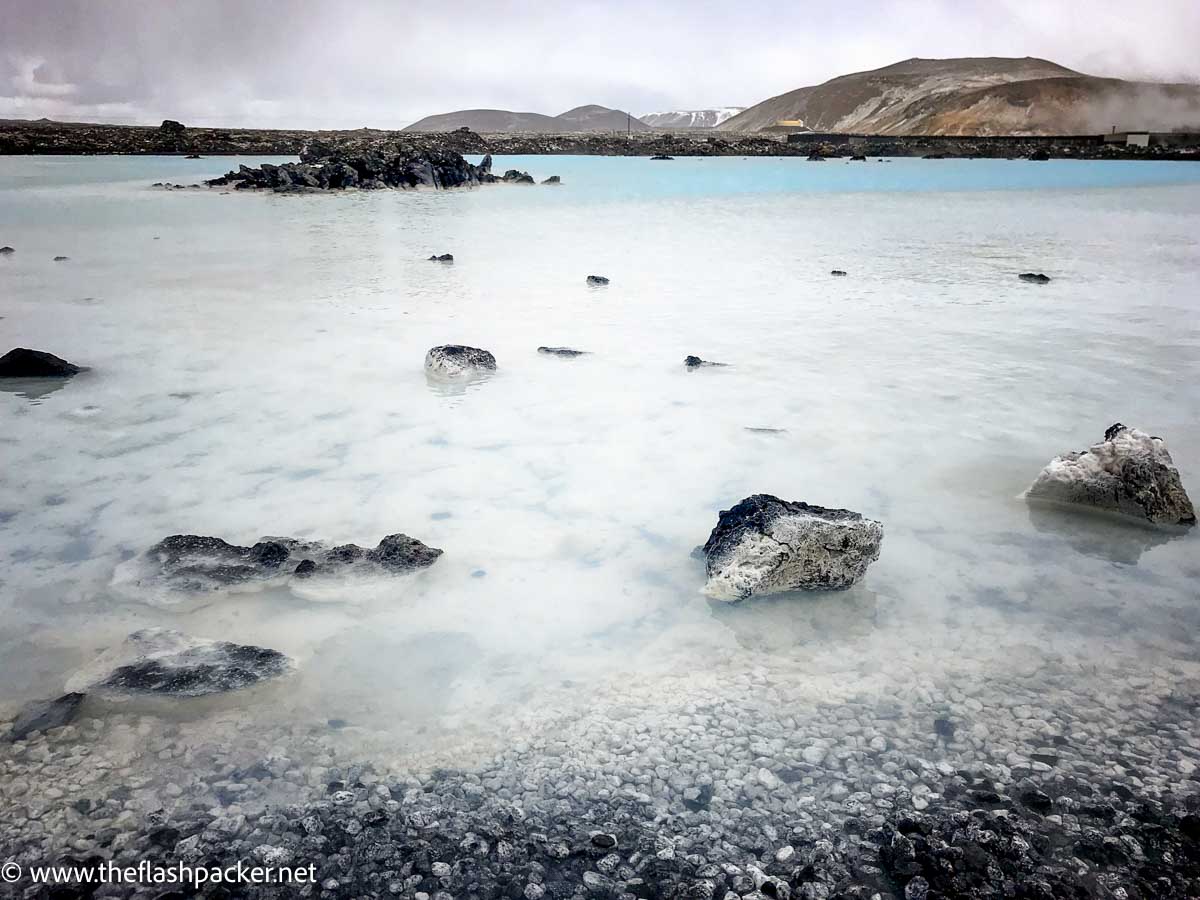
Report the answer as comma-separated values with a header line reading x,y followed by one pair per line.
x,y
976,96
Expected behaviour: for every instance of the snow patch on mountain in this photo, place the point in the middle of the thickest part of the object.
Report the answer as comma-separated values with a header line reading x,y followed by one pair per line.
x,y
691,118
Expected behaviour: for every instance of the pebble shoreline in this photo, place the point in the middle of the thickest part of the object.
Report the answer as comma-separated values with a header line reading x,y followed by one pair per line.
x,y
749,781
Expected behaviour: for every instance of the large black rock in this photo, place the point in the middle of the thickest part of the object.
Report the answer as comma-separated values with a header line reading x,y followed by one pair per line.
x,y
24,363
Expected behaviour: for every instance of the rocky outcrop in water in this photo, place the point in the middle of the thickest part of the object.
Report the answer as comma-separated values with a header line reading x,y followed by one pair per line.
x,y
189,563
553,179
41,715
455,361
567,352
765,545
324,167
1129,472
163,661
24,363
515,176
5,251
1034,277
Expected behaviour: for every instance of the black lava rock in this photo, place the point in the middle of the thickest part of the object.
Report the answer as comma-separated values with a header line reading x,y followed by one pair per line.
x,y
25,363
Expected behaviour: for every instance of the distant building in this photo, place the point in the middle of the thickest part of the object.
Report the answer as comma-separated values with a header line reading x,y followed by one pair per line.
x,y
1153,138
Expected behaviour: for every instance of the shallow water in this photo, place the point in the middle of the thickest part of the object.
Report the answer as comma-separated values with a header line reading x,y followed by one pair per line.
x,y
257,370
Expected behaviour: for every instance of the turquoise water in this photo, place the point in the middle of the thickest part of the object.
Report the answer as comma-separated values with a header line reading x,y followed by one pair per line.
x,y
257,369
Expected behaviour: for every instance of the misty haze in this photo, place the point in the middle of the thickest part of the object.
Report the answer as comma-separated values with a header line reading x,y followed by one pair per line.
x,y
599,451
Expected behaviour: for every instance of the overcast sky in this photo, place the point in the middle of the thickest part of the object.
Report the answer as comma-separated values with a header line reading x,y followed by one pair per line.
x,y
348,63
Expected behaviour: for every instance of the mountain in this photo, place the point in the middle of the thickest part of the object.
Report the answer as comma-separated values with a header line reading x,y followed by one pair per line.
x,y
600,118
485,121
488,120
691,118
976,96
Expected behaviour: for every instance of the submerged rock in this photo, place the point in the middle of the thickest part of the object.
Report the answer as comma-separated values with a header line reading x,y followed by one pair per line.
x,y
764,545
595,280
562,351
190,563
42,715
1129,472
695,362
1034,277
25,363
163,661
445,257
458,361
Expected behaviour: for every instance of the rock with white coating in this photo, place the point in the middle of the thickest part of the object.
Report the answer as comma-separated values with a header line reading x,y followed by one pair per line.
x,y
167,662
765,545
1129,472
456,361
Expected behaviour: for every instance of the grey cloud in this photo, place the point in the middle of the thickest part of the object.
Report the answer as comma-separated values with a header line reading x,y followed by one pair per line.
x,y
320,63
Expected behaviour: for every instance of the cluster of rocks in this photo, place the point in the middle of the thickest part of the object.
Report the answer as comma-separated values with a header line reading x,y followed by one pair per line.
x,y
191,563
322,167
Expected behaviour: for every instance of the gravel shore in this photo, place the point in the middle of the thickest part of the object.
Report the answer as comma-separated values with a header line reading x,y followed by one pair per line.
x,y
1062,777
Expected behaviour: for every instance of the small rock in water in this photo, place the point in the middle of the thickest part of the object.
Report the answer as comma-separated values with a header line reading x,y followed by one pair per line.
x,y
596,280
764,545
1129,472
1034,277
163,661
838,272
24,363
562,351
42,715
553,179
458,361
7,250
695,362
445,257
514,176
61,258
662,156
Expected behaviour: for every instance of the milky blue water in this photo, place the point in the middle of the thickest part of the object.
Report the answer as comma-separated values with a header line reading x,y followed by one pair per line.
x,y
257,369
